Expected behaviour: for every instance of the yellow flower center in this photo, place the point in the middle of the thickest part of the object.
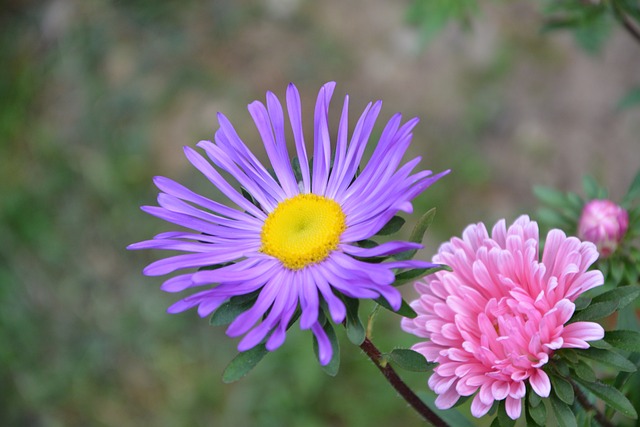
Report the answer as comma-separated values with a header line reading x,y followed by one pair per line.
x,y
303,230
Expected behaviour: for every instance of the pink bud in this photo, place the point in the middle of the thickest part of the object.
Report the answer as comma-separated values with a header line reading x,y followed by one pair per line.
x,y
603,223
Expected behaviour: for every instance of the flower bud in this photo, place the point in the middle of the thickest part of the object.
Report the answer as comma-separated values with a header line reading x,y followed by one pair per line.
x,y
603,223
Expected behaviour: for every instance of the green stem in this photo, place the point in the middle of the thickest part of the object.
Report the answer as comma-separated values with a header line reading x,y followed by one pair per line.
x,y
401,387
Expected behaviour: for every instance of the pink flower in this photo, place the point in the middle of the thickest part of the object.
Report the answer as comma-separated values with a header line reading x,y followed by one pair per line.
x,y
603,223
494,321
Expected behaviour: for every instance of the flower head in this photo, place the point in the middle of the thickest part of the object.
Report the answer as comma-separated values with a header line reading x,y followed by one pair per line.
x,y
603,223
291,238
495,320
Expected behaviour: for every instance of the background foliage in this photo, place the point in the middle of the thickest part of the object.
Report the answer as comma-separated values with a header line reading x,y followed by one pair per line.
x,y
96,97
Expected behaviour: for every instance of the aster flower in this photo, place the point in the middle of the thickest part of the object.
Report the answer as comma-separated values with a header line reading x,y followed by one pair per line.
x,y
292,238
603,223
495,320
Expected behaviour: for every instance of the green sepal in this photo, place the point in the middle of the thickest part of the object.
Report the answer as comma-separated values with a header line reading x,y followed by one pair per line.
x,y
333,366
227,312
352,323
564,414
562,388
595,311
243,363
405,309
609,358
611,397
393,226
410,360
417,273
624,340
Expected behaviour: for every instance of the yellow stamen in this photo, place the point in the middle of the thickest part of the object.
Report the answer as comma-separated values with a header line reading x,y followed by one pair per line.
x,y
303,230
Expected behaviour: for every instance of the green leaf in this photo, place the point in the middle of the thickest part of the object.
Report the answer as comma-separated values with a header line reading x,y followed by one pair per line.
x,y
417,273
584,371
582,302
502,418
405,309
243,363
624,340
422,226
609,358
355,329
334,365
634,189
612,397
231,309
410,360
596,310
592,189
562,388
537,414
550,196
623,295
451,417
630,100
600,344
564,414
393,226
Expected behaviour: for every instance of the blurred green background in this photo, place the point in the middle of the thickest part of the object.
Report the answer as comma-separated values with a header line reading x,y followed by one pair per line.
x,y
97,97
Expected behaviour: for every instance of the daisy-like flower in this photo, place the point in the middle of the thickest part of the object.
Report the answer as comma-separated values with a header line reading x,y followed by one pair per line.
x,y
294,240
495,320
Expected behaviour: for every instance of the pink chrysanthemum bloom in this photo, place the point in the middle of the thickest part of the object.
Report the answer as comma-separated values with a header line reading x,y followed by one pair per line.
x,y
603,223
495,320
294,240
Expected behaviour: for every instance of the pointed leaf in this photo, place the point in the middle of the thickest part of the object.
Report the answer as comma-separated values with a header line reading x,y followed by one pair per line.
x,y
550,196
612,397
243,363
564,414
393,226
609,358
582,302
584,371
634,189
405,309
410,360
562,388
355,329
595,311
624,340
623,295
502,418
417,273
422,226
537,413
227,312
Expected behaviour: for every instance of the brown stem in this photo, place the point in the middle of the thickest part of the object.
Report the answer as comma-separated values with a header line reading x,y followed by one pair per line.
x,y
584,402
400,386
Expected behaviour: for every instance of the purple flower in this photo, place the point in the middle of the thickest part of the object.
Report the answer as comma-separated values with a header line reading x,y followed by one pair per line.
x,y
493,322
295,242
603,223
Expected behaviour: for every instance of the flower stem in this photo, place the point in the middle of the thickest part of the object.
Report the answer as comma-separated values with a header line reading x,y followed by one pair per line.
x,y
584,402
394,379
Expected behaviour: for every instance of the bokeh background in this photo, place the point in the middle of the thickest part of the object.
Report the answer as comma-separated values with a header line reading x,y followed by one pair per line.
x,y
97,97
